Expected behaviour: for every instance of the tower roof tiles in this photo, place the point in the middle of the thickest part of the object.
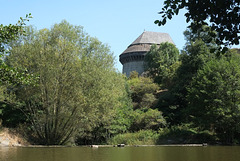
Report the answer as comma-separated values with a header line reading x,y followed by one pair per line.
x,y
146,39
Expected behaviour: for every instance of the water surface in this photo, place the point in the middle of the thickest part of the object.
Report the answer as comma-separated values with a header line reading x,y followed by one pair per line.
x,y
156,153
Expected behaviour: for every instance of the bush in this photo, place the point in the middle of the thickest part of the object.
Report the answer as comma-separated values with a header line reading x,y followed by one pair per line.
x,y
184,134
11,115
142,137
148,120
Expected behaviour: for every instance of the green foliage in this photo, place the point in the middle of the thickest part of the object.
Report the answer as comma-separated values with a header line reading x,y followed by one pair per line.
x,y
148,120
118,122
10,112
78,89
173,102
214,97
13,76
221,16
179,134
9,33
143,94
133,74
11,115
184,134
142,88
204,34
193,58
12,32
123,119
142,137
162,62
148,100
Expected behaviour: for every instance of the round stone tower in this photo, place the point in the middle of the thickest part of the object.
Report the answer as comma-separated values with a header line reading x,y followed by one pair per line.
x,y
132,58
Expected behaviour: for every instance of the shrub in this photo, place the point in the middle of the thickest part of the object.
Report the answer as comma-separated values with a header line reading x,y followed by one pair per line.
x,y
142,137
184,134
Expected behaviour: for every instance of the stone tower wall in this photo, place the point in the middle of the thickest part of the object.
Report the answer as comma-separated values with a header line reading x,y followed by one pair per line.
x,y
132,58
137,66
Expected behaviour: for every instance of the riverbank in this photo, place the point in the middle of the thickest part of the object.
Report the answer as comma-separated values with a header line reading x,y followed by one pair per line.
x,y
11,138
100,146
178,145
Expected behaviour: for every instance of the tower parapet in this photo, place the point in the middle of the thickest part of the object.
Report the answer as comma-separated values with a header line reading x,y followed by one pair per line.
x,y
132,58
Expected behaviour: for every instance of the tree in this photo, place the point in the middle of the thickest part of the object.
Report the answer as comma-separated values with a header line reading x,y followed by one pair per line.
x,y
78,88
173,102
161,63
204,34
148,119
143,94
9,114
213,98
221,15
10,33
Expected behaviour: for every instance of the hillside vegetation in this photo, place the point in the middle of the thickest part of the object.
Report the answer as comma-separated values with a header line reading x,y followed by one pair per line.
x,y
59,86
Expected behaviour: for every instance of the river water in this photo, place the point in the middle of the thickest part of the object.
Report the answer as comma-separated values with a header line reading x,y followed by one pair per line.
x,y
155,153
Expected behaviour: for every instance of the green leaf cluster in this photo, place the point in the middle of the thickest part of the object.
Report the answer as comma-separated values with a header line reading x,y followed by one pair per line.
x,y
143,94
213,97
161,63
221,15
9,33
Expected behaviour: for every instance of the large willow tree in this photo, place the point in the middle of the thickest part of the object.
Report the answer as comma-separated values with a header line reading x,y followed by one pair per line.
x,y
78,87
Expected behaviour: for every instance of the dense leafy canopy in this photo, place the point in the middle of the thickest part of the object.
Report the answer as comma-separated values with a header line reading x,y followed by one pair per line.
x,y
204,34
142,88
161,62
221,15
173,102
214,97
143,94
78,88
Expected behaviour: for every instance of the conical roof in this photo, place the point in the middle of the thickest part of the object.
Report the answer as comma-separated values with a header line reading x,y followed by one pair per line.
x,y
146,39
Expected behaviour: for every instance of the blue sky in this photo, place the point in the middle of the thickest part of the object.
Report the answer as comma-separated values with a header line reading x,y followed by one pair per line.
x,y
116,23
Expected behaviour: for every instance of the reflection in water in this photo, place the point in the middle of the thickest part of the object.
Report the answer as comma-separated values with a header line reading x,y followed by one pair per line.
x,y
157,153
